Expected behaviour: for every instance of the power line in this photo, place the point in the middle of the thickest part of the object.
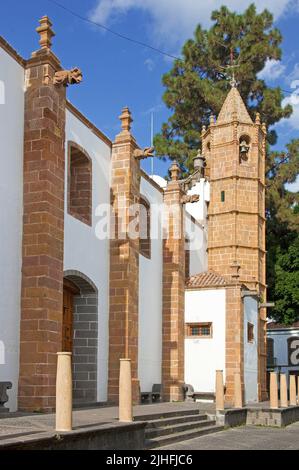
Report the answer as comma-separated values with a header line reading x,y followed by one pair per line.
x,y
140,43
122,36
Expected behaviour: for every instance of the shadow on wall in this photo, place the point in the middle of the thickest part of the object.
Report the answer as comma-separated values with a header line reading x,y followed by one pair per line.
x,y
84,334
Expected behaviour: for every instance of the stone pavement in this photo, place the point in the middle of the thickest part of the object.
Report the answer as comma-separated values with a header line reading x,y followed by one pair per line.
x,y
245,438
21,424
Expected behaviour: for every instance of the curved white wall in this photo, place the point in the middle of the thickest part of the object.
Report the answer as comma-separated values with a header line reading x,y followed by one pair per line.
x,y
204,356
250,350
11,212
83,251
150,299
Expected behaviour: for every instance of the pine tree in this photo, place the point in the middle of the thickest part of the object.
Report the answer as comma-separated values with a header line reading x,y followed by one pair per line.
x,y
196,87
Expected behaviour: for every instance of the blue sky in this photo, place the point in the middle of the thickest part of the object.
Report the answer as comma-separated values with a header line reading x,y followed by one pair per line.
x,y
118,73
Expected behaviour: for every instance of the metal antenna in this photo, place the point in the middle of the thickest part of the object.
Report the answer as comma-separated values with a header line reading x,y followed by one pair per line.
x,y
231,69
152,141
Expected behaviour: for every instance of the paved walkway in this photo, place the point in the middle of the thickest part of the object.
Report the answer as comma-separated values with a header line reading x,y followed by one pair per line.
x,y
245,438
23,424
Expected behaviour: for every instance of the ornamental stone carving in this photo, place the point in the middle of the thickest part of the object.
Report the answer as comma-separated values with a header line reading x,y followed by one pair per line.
x,y
68,77
143,154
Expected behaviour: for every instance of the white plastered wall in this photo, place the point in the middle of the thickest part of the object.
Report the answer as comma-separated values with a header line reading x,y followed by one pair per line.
x,y
251,350
204,356
83,250
150,297
11,212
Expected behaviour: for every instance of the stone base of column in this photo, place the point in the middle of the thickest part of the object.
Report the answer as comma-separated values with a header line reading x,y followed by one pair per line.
x,y
173,392
136,392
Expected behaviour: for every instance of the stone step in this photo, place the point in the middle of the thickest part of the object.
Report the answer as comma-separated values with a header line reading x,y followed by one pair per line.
x,y
163,441
156,423
177,428
166,414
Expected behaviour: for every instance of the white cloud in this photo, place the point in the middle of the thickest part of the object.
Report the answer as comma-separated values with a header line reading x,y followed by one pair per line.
x,y
150,64
294,187
173,21
272,70
293,121
294,75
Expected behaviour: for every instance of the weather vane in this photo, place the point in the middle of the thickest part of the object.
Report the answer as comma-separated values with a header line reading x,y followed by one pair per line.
x,y
231,69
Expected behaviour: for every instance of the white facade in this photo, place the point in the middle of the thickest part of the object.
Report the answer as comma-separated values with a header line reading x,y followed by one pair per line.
x,y
203,356
83,250
150,297
251,350
11,212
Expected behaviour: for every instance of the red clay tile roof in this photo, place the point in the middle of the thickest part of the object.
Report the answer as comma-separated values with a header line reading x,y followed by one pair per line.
x,y
207,279
280,326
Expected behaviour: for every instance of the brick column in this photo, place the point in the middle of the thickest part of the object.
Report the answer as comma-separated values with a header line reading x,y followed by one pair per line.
x,y
173,291
43,229
124,260
234,340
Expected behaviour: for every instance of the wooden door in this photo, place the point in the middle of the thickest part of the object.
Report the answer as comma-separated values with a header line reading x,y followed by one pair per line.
x,y
67,327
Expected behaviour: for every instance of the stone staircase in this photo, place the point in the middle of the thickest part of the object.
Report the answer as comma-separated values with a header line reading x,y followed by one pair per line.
x,y
177,426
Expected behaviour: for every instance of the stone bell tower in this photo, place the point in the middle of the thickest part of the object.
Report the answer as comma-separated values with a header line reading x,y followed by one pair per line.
x,y
235,148
236,158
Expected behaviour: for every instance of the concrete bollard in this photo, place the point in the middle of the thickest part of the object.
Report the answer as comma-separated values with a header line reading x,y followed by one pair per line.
x,y
238,397
293,393
64,393
283,391
219,391
125,391
273,391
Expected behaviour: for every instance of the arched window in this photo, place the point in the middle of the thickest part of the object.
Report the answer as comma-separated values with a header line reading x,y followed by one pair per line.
x,y
244,148
80,184
145,228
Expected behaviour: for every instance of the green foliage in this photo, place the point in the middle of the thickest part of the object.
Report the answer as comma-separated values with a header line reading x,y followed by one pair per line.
x,y
286,286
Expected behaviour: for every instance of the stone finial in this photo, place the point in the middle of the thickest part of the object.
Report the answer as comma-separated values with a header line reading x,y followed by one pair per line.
x,y
46,32
203,130
212,120
126,119
175,171
264,128
258,119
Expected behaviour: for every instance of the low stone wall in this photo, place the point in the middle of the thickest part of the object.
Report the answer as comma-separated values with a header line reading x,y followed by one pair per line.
x,y
106,437
258,417
232,418
274,418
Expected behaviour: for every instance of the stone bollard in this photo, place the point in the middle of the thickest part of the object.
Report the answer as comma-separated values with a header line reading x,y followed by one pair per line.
x,y
273,391
238,397
219,391
283,391
64,393
125,391
293,393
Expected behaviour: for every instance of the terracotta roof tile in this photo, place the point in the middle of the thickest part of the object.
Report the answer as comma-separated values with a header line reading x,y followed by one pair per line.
x,y
206,279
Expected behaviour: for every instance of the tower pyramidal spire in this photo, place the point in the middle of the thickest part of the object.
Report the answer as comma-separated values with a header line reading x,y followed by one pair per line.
x,y
234,108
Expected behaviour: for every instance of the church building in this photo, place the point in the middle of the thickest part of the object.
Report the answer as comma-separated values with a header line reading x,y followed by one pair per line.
x,y
102,260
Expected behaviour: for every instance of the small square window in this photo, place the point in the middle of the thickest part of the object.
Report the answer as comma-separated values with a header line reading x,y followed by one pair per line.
x,y
199,330
250,333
